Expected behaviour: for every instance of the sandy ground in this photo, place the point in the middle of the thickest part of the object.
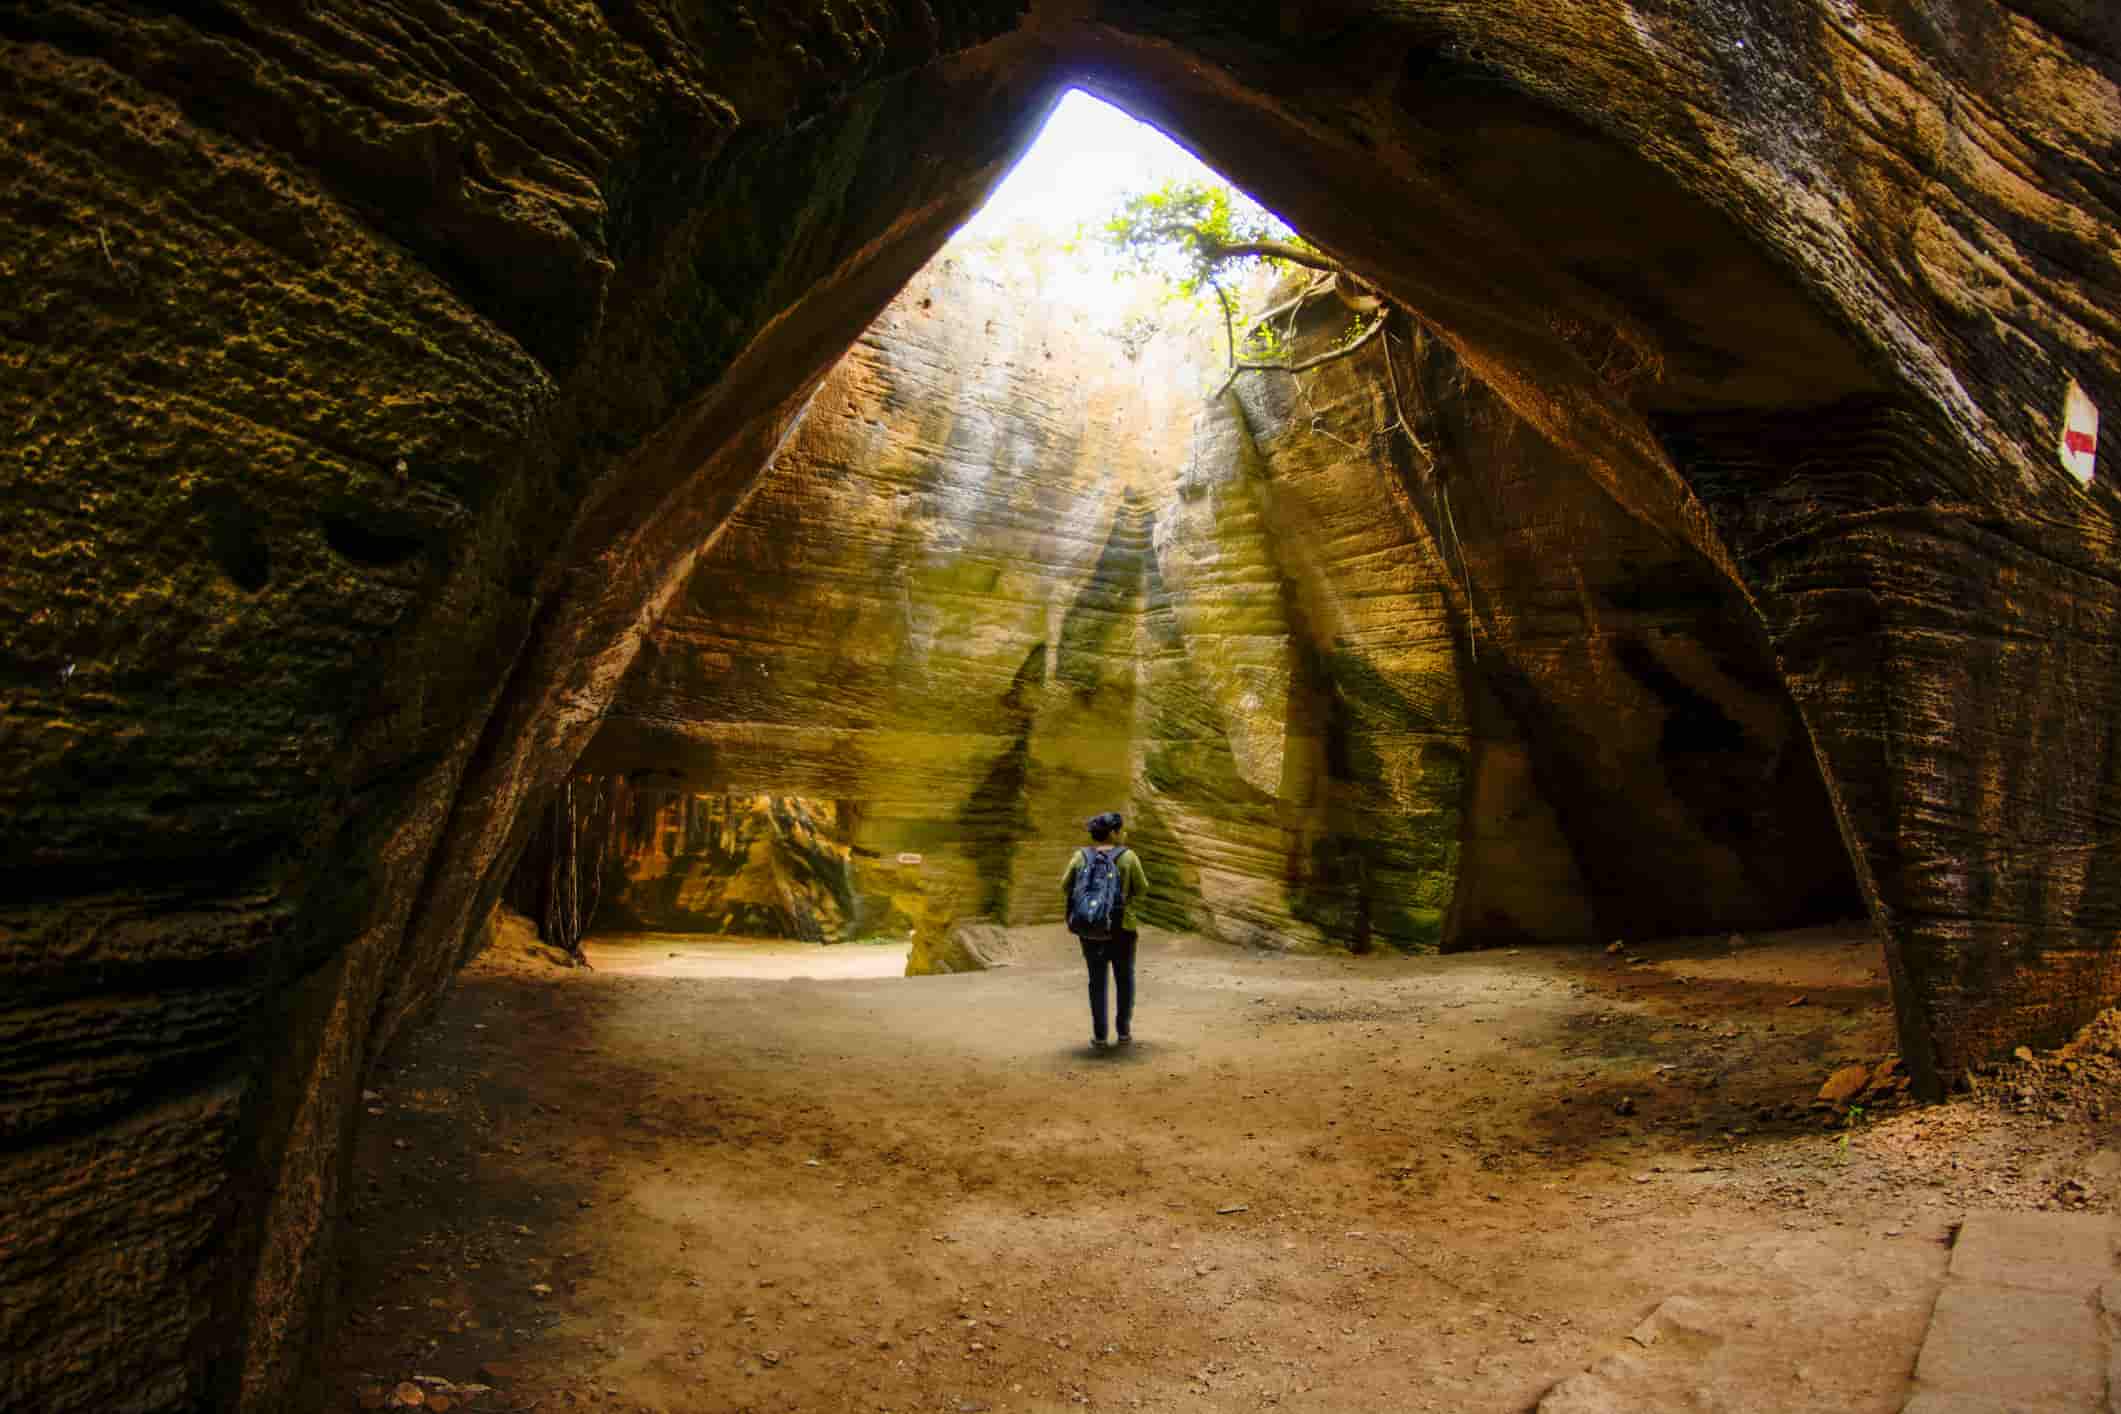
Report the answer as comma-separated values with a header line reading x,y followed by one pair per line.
x,y
1314,1184
679,955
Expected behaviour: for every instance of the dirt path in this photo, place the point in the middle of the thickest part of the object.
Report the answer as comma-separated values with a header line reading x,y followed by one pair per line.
x,y
1315,1184
676,955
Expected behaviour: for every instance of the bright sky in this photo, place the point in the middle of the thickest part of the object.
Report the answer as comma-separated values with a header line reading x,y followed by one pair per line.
x,y
1088,156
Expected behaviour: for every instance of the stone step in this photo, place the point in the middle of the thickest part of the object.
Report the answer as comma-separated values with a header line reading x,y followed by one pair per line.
x,y
2028,1319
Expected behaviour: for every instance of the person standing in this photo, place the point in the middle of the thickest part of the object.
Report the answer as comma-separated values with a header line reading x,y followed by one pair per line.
x,y
1104,887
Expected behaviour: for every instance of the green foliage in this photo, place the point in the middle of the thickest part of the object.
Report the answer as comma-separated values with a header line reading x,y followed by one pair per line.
x,y
1179,232
1265,343
1850,1122
1182,238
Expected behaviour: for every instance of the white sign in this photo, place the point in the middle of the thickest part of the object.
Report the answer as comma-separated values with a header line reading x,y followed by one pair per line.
x,y
909,859
2079,447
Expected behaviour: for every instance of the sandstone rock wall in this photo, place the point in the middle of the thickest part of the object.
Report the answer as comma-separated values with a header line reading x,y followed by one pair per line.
x,y
558,883
375,373
974,595
370,372
1487,703
1273,663
1855,256
931,604
1619,689
764,866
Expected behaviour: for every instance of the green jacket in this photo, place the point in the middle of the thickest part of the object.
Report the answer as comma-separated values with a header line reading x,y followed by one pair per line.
x,y
1133,882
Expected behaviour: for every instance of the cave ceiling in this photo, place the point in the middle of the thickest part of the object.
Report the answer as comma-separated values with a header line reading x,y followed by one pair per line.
x,y
378,377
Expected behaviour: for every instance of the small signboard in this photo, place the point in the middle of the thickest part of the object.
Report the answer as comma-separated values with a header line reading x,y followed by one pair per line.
x,y
909,859
2079,447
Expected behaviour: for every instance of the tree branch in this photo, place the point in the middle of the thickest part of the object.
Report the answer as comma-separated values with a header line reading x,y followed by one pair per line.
x,y
1303,365
1213,250
1330,355
1399,412
1229,325
1304,296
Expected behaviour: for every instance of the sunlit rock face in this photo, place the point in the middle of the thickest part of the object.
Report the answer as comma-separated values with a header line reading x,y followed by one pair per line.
x,y
610,855
375,375
932,605
1353,687
615,856
762,866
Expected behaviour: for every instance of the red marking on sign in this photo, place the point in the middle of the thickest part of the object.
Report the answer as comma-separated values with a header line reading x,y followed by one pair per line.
x,y
2078,446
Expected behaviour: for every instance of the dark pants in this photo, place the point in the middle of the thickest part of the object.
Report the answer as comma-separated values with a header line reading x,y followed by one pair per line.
x,y
1118,954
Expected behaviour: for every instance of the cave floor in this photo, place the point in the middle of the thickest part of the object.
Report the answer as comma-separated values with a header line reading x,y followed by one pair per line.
x,y
1316,1184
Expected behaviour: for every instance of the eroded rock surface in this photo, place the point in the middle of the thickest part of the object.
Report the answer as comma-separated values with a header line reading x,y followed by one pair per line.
x,y
1525,715
931,605
968,945
372,373
759,866
1804,289
1352,687
376,374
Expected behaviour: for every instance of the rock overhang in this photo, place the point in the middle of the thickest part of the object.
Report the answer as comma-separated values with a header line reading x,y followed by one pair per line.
x,y
324,747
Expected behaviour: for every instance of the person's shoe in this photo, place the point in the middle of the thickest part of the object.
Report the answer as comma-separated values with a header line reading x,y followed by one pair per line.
x,y
1099,1043
1125,1039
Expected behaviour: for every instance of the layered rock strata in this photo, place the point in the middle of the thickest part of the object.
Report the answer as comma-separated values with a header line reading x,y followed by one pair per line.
x,y
1353,685
375,374
1806,291
371,374
763,866
1516,713
957,544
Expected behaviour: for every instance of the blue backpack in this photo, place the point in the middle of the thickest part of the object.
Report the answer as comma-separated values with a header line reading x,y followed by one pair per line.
x,y
1097,896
